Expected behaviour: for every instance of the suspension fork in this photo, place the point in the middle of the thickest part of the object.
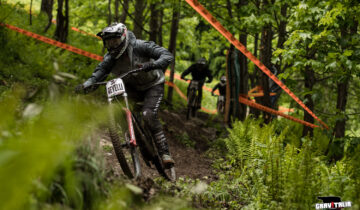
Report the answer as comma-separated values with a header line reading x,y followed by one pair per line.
x,y
128,118
129,121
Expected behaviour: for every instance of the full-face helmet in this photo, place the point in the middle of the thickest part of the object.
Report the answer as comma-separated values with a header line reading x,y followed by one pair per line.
x,y
202,61
115,38
223,80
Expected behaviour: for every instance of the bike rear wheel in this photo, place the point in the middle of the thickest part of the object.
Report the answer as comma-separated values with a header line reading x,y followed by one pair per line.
x,y
149,151
191,109
127,155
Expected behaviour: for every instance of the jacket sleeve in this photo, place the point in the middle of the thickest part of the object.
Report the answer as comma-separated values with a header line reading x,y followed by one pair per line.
x,y
216,87
187,71
209,75
161,55
101,71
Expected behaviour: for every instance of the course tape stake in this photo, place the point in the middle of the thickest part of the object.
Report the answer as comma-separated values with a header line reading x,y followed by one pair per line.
x,y
217,25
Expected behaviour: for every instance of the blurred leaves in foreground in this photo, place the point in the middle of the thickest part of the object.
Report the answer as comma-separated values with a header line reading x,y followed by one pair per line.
x,y
50,158
32,148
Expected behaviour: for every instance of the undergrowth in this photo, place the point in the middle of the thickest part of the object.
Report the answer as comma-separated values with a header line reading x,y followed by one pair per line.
x,y
265,167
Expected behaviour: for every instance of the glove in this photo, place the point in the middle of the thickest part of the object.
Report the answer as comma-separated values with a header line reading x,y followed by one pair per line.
x,y
212,93
82,89
79,89
148,66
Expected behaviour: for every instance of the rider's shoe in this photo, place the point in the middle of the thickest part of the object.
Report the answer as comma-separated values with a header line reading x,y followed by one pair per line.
x,y
167,161
163,149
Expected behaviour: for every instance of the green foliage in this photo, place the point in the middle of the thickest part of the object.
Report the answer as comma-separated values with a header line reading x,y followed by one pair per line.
x,y
34,145
186,140
264,168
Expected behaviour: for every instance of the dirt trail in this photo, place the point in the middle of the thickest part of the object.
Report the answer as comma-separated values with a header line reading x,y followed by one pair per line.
x,y
188,141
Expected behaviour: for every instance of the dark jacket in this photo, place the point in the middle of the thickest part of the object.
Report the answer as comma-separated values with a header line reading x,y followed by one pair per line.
x,y
221,87
198,72
138,51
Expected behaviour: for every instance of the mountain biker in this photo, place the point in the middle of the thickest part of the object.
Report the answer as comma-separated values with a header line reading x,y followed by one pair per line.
x,y
222,92
199,71
125,53
221,86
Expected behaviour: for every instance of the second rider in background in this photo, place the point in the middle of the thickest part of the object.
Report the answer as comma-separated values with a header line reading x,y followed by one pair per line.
x,y
199,72
222,92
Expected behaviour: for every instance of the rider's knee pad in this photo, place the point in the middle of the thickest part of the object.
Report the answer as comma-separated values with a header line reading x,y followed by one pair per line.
x,y
150,118
149,115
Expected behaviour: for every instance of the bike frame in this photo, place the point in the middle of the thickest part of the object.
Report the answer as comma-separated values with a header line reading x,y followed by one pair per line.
x,y
115,89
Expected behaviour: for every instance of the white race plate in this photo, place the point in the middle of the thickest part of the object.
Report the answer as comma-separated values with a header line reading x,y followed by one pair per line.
x,y
115,87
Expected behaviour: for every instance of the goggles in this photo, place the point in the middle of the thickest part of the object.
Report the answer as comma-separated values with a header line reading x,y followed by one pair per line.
x,y
113,43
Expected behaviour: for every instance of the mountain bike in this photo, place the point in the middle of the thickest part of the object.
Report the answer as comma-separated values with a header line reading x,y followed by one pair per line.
x,y
137,136
193,102
220,105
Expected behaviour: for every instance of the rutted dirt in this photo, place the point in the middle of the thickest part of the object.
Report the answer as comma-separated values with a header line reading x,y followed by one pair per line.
x,y
188,142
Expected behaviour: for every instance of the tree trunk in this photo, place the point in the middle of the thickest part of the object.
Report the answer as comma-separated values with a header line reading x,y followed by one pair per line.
x,y
160,42
154,22
229,84
172,43
117,17
244,77
139,18
244,74
282,33
234,71
47,7
62,21
347,31
227,97
109,14
309,76
31,3
342,91
265,58
254,76
125,9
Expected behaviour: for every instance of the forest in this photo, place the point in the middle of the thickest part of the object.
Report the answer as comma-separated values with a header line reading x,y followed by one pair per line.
x,y
287,135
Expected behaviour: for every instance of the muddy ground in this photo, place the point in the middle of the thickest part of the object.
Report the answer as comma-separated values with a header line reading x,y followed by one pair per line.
x,y
188,140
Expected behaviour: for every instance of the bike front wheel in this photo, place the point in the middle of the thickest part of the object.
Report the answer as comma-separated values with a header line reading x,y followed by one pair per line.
x,y
191,104
127,155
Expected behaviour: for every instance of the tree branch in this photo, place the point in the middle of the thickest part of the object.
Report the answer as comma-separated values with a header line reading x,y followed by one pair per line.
x,y
140,25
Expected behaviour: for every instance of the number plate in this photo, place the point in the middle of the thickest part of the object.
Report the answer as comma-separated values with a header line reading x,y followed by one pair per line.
x,y
115,87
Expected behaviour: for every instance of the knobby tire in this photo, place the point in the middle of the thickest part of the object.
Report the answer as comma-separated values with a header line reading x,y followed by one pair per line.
x,y
114,136
191,104
148,149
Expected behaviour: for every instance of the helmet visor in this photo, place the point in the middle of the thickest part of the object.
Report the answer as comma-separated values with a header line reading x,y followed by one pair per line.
x,y
113,43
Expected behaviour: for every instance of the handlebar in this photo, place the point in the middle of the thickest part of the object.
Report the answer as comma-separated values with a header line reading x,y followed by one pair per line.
x,y
121,76
203,81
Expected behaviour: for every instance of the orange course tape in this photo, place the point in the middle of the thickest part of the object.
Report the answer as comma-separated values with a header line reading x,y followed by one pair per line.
x,y
182,95
178,77
220,28
176,89
90,55
54,42
272,111
79,30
